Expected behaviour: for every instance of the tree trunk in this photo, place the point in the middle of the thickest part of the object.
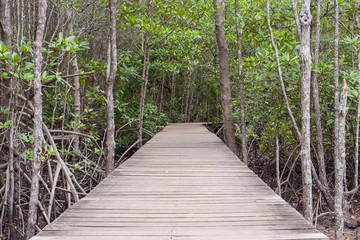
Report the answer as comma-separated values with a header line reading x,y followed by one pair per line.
x,y
162,93
305,60
273,43
144,80
338,150
193,86
38,133
145,74
6,35
303,27
173,92
5,21
75,71
278,180
12,149
316,99
340,166
224,75
356,159
241,85
110,128
356,154
188,91
173,86
328,198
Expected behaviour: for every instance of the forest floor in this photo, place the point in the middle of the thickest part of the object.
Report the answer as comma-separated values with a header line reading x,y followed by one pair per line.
x,y
352,222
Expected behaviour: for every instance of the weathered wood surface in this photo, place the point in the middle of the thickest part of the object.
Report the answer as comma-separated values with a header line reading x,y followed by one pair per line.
x,y
183,184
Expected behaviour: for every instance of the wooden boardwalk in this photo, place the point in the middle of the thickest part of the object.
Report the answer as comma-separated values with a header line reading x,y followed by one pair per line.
x,y
184,184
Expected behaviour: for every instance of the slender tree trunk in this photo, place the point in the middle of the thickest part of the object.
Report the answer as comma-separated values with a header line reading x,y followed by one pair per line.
x,y
316,99
110,128
339,130
38,133
305,60
278,180
193,86
53,188
340,166
224,75
303,27
241,85
356,159
173,86
188,90
75,71
77,100
356,154
273,43
13,101
9,86
173,92
144,80
162,93
328,198
6,36
18,21
145,73
5,21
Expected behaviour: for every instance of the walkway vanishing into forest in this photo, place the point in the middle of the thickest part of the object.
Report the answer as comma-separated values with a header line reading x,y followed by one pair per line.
x,y
183,184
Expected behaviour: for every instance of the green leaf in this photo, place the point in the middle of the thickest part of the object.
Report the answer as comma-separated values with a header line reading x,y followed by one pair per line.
x,y
7,54
70,39
16,57
28,76
5,124
77,166
4,110
330,121
2,47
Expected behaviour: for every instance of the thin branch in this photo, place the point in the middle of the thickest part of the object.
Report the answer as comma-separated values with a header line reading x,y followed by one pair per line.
x,y
273,43
127,150
68,76
78,134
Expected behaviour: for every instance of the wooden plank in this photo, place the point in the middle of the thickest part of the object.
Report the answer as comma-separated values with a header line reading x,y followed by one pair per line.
x,y
182,184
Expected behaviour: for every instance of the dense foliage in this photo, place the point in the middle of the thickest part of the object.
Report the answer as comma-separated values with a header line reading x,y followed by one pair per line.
x,y
183,86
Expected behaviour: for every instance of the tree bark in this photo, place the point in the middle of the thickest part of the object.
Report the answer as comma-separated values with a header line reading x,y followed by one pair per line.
x,y
224,75
5,21
340,166
241,85
273,43
38,133
12,149
144,80
110,128
356,154
338,132
316,99
173,86
188,92
278,180
6,36
193,87
305,60
303,27
322,188
75,71
162,93
356,159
